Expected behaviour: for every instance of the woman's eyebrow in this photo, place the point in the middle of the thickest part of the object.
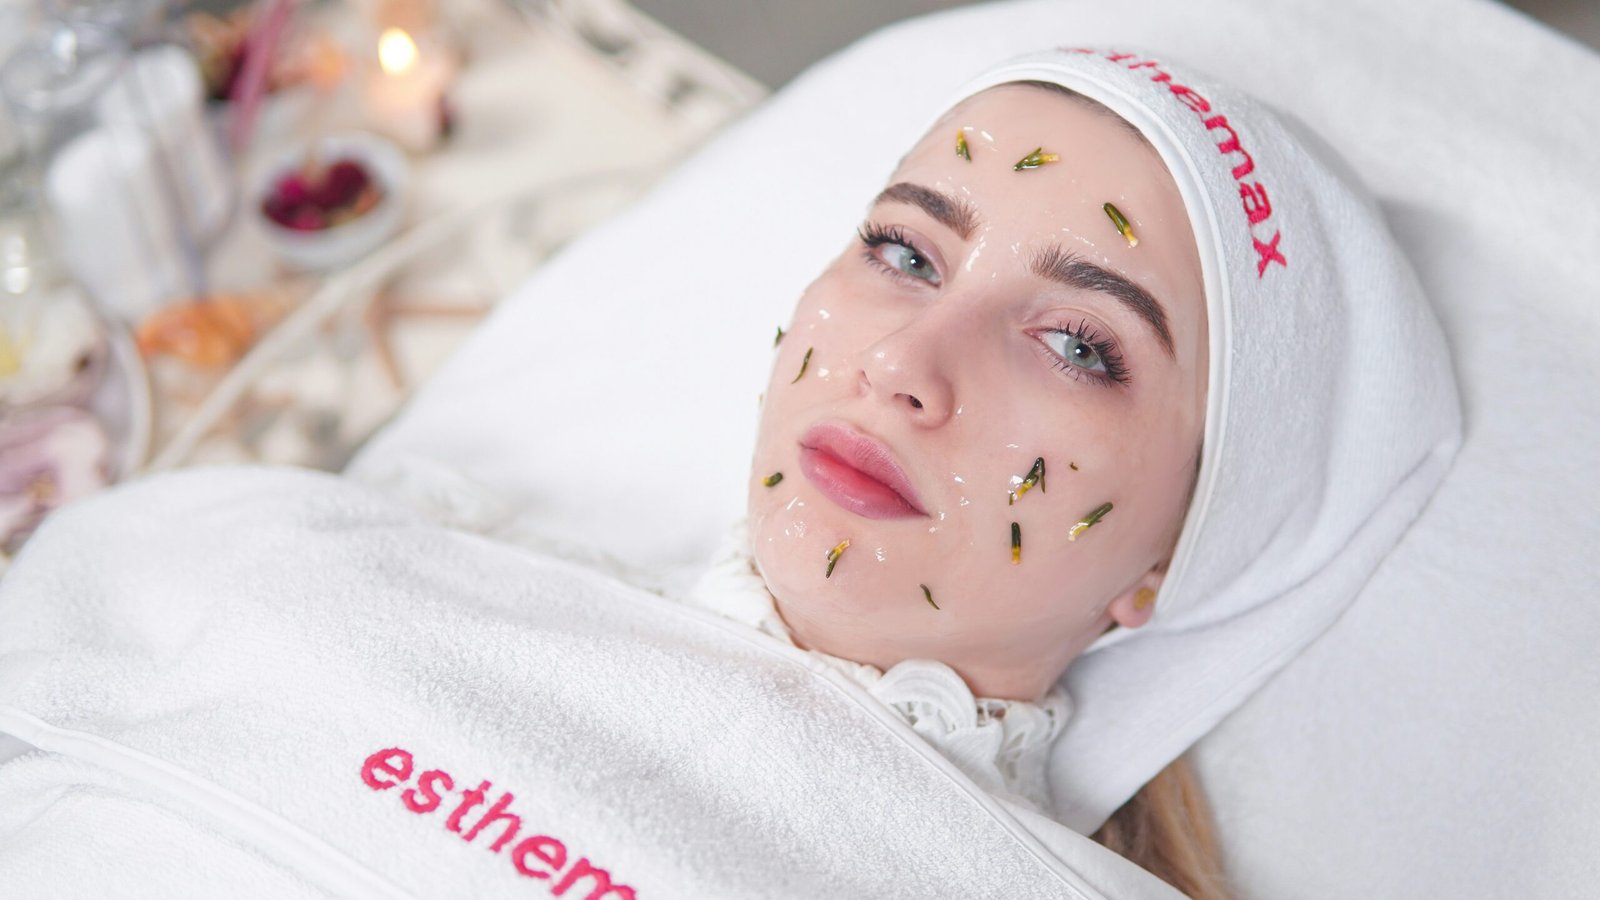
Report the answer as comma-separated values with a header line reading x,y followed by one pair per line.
x,y
1073,271
953,213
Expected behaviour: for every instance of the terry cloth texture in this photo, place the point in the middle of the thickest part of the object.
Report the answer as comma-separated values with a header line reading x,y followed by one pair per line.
x,y
315,689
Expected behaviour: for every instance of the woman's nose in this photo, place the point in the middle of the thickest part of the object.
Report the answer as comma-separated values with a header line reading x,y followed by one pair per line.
x,y
903,370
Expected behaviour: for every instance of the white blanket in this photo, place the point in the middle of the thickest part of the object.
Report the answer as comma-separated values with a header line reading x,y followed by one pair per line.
x,y
282,684
1439,740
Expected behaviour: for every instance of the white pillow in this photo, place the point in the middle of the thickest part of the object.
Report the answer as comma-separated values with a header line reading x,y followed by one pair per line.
x,y
1438,741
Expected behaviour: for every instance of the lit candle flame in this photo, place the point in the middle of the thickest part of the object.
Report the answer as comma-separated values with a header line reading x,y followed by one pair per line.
x,y
397,52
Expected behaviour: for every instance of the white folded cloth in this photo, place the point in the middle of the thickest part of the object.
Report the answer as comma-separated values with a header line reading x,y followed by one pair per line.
x,y
315,690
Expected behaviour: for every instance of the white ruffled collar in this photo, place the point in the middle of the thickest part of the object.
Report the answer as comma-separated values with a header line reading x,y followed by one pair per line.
x,y
1002,745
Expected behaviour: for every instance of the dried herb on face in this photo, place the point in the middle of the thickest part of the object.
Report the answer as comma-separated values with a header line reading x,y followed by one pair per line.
x,y
1089,521
834,554
1035,159
1121,221
1035,476
806,361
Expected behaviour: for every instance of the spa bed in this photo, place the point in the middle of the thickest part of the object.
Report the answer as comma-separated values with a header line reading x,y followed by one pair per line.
x,y
1434,743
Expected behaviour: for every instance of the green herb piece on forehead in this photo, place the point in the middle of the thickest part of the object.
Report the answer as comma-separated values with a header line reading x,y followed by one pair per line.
x,y
779,339
773,479
1089,521
834,554
1035,159
928,596
1121,221
1016,543
806,361
961,145
1035,476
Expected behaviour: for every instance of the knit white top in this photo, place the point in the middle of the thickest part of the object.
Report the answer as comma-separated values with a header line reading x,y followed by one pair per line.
x,y
1002,745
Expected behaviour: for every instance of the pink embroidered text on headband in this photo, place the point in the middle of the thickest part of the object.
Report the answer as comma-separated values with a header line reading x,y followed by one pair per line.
x,y
1252,194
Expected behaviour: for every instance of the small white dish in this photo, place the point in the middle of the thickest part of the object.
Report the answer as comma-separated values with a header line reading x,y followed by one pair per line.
x,y
336,245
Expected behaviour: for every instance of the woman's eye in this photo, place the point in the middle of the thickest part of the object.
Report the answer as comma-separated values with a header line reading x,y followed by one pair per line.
x,y
906,259
1075,350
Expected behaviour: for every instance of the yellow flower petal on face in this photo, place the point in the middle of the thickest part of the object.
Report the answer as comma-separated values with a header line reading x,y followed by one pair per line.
x,y
1121,221
1035,159
1089,521
834,554
961,146
1035,476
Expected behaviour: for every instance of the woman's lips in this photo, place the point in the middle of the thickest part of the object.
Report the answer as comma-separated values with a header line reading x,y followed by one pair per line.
x,y
858,473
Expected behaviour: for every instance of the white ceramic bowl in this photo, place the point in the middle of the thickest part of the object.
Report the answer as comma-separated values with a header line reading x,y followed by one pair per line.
x,y
330,248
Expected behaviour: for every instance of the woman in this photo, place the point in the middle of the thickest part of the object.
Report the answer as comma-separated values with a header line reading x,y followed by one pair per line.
x,y
1087,432
1025,307
988,334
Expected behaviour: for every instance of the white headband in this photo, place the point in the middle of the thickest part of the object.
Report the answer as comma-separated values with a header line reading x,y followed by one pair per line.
x,y
1331,417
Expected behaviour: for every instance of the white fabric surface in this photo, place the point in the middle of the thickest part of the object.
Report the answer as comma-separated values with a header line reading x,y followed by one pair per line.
x,y
1002,745
1436,742
73,829
230,670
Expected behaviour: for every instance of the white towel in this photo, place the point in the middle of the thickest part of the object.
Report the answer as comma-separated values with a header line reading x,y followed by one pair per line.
x,y
1331,417
301,681
1436,741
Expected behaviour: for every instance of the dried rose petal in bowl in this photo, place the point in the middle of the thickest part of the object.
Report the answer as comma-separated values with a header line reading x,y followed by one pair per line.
x,y
322,215
315,197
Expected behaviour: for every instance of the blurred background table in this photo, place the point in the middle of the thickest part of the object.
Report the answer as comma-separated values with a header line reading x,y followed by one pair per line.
x,y
549,134
558,113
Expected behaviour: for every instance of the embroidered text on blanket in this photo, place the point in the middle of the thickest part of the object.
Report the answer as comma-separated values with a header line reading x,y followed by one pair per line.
x,y
1252,195
539,856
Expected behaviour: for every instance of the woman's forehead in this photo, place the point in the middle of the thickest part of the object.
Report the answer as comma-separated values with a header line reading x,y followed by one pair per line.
x,y
1040,172
1030,160
1012,120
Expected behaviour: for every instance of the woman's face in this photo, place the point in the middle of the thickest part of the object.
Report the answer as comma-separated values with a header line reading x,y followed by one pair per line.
x,y
986,317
